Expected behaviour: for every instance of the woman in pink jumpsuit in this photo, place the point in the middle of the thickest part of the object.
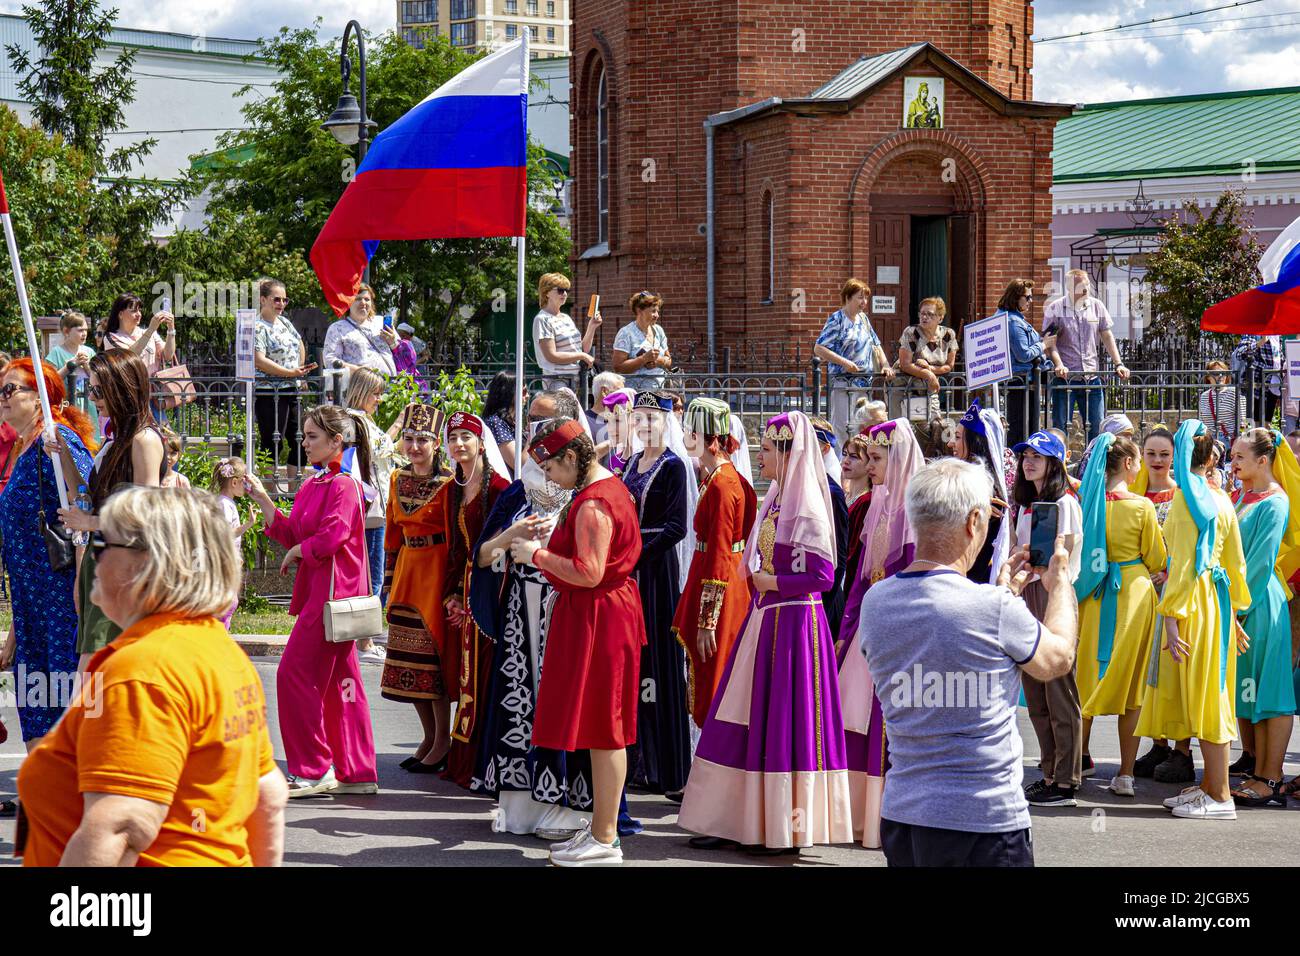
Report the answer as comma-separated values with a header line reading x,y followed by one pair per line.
x,y
324,716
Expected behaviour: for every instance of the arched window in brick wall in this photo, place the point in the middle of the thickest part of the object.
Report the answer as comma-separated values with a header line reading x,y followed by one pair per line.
x,y
769,247
602,158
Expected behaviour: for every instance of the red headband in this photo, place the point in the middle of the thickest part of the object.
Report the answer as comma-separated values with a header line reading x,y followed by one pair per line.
x,y
463,421
549,445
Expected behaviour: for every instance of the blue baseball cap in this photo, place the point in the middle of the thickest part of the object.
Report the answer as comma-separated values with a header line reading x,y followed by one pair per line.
x,y
1045,443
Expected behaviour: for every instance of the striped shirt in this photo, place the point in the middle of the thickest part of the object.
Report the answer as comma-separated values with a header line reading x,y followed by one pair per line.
x,y
1222,410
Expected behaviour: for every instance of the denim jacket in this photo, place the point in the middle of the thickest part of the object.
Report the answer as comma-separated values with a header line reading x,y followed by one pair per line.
x,y
1026,346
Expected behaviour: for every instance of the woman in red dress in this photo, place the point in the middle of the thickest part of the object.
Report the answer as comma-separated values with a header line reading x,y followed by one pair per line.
x,y
587,696
716,597
468,499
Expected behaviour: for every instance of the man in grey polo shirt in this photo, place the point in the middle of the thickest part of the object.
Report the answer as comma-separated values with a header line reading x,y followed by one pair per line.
x,y
946,655
1080,321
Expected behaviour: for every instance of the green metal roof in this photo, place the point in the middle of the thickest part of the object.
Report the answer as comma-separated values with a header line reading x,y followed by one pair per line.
x,y
1203,135
865,73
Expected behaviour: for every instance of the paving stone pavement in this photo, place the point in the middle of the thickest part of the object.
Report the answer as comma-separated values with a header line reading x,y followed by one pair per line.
x,y
425,821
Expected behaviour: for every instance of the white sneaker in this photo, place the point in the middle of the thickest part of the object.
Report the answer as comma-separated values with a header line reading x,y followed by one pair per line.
x,y
1205,807
572,838
586,850
1122,785
304,787
375,655
359,786
1187,796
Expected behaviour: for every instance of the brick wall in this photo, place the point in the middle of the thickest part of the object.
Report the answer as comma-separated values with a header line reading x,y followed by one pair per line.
x,y
670,64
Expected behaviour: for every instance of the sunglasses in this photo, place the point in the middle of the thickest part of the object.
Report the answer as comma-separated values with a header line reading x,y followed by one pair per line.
x,y
94,391
279,298
562,291
8,391
98,545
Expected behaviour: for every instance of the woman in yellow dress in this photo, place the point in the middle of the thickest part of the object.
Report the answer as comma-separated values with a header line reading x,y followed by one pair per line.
x,y
1156,483
1122,548
1194,692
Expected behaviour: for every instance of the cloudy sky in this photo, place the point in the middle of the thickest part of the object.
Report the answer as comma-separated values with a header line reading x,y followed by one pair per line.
x,y
1247,46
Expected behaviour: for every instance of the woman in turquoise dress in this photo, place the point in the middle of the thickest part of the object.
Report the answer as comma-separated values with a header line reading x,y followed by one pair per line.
x,y
1270,482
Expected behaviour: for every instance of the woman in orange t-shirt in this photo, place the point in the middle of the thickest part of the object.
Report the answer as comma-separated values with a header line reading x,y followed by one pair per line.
x,y
165,759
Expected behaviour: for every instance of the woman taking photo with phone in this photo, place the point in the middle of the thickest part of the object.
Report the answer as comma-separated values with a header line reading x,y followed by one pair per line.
x,y
1044,509
1122,549
1194,691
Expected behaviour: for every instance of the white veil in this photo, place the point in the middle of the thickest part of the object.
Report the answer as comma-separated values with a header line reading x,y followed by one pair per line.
x,y
490,447
675,441
740,459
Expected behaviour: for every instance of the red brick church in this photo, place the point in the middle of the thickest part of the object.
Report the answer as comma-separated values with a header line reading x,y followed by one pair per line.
x,y
893,140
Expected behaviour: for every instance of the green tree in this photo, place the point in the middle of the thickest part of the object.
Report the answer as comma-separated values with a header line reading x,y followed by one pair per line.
x,y
70,97
77,105
296,171
51,191
1202,258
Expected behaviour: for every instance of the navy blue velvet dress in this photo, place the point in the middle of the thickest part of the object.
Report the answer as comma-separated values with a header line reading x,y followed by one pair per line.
x,y
662,755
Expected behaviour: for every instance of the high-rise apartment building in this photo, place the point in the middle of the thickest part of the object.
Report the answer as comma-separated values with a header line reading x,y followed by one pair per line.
x,y
484,24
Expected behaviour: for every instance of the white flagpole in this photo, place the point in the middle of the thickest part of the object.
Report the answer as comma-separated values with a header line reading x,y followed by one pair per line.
x,y
33,344
520,411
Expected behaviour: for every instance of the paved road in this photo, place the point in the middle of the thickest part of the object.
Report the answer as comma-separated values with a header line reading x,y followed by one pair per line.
x,y
424,821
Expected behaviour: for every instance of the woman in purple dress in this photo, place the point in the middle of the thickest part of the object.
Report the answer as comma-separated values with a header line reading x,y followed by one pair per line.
x,y
770,772
888,546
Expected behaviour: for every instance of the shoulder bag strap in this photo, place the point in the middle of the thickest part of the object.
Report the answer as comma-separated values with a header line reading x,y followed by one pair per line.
x,y
365,550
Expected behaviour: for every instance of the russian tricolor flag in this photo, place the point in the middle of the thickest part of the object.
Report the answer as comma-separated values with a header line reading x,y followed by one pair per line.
x,y
455,166
1272,308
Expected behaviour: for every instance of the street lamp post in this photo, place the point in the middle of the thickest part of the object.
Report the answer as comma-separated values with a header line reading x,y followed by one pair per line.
x,y
349,123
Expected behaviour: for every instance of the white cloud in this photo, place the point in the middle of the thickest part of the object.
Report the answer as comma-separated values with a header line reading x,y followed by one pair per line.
x,y
1279,68
248,19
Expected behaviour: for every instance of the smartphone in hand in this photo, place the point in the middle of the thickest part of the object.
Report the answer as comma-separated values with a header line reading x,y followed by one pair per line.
x,y
1044,524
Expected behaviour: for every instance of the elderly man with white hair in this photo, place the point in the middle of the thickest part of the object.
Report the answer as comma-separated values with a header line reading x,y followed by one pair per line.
x,y
606,383
946,655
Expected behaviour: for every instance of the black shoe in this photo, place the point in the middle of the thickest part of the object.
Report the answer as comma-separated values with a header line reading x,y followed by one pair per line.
x,y
675,795
757,849
8,808
1037,787
1053,796
1086,767
1244,766
421,767
1147,763
409,762
1177,768
712,843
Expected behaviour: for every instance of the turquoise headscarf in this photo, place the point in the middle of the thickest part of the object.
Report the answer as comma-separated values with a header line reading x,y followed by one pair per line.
x,y
1198,497
1099,577
1092,497
1196,492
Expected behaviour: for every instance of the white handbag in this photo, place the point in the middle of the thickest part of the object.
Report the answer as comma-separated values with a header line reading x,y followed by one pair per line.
x,y
356,618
